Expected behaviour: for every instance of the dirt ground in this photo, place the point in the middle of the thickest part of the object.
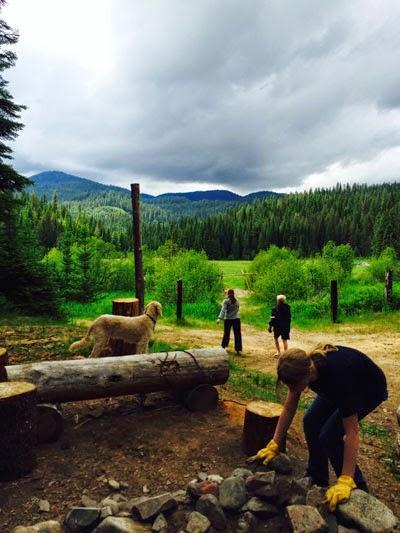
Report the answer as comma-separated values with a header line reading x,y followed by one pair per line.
x,y
157,445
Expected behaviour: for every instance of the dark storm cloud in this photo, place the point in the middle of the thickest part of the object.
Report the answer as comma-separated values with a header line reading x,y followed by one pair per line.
x,y
245,95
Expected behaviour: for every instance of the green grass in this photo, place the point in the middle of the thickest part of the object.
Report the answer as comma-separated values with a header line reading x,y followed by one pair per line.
x,y
233,277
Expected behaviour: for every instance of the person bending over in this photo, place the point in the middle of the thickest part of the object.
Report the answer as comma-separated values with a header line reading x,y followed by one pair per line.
x,y
349,385
280,323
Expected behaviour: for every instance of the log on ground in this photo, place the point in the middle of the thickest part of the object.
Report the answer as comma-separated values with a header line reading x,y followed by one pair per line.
x,y
17,429
83,379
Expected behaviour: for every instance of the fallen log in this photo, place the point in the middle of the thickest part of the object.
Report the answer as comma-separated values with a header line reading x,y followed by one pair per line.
x,y
84,379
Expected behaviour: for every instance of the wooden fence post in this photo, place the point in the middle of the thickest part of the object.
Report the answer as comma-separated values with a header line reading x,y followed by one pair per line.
x,y
389,287
137,245
334,301
179,299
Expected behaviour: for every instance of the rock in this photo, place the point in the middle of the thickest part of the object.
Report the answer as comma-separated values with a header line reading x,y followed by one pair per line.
x,y
247,523
196,489
197,523
315,496
260,508
232,493
303,484
114,485
44,506
202,476
342,529
160,524
305,519
145,489
86,501
50,526
105,511
147,508
116,524
215,478
262,484
181,496
298,491
284,488
118,497
81,519
123,485
109,502
281,464
242,472
365,512
209,506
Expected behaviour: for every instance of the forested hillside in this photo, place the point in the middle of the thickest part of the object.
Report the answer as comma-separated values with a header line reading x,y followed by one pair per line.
x,y
367,217
101,201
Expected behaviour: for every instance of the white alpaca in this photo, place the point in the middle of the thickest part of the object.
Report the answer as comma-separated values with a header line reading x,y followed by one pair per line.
x,y
132,329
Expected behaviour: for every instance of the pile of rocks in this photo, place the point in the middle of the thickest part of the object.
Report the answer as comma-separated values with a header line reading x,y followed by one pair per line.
x,y
265,499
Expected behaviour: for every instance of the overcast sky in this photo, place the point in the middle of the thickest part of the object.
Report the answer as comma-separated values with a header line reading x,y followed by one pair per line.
x,y
198,94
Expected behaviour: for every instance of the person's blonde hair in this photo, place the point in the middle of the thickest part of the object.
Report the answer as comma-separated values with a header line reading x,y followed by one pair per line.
x,y
295,365
281,298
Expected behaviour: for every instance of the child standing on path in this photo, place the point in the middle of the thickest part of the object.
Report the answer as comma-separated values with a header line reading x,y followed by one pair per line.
x,y
229,314
280,323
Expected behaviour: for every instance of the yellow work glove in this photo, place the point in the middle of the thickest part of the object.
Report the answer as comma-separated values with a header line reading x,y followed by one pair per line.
x,y
340,492
269,452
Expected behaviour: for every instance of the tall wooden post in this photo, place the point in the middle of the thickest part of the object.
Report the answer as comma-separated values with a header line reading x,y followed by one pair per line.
x,y
179,299
389,287
334,300
137,245
123,307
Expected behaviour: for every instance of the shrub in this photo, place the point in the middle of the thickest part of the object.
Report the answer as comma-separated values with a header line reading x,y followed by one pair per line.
x,y
340,260
201,278
387,260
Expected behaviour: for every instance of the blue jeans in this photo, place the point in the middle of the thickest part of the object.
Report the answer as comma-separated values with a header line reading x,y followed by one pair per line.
x,y
324,431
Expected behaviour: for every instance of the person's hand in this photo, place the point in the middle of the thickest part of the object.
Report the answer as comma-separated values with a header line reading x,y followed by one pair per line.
x,y
340,492
218,320
270,329
269,452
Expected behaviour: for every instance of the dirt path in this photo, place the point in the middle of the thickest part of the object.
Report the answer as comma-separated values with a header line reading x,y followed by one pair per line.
x,y
259,347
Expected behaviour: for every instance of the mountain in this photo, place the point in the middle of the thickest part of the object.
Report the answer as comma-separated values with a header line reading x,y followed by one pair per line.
x,y
96,198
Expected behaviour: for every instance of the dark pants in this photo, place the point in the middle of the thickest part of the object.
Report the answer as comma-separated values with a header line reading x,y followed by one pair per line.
x,y
228,323
324,431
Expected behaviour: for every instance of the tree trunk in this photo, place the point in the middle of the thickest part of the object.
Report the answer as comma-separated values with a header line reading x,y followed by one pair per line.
x,y
123,307
50,423
3,363
17,429
260,422
83,379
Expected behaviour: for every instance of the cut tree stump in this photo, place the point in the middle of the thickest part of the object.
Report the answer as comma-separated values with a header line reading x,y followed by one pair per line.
x,y
3,363
202,398
17,429
84,379
123,307
50,423
260,422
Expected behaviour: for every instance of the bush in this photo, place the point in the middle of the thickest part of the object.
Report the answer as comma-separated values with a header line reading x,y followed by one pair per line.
x,y
339,259
201,278
387,260
318,273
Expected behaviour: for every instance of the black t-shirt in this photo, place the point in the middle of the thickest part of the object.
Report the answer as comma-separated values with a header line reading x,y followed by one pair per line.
x,y
349,379
281,317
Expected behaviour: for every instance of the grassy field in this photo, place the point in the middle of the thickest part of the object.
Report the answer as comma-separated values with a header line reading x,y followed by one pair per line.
x,y
233,273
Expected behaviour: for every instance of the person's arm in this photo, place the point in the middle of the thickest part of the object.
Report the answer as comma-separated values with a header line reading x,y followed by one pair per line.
x,y
286,418
351,445
341,490
271,450
222,313
272,321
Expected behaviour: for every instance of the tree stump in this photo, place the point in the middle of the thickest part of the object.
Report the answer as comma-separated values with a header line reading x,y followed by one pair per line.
x,y
3,364
260,422
202,398
123,307
50,423
17,429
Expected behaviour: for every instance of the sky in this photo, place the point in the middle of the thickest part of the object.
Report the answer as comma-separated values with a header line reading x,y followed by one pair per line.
x,y
183,95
